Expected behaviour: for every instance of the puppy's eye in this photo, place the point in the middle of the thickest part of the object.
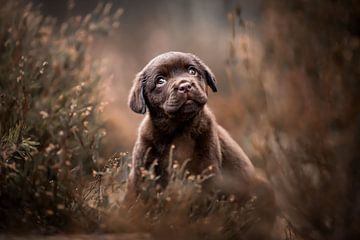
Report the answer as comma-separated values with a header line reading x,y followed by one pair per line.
x,y
192,71
160,81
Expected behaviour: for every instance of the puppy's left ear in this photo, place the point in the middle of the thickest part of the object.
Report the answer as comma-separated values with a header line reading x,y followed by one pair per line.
x,y
136,96
210,77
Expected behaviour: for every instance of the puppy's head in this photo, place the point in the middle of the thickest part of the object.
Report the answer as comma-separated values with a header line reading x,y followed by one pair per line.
x,y
172,84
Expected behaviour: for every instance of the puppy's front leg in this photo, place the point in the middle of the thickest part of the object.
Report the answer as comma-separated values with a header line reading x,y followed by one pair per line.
x,y
207,159
138,161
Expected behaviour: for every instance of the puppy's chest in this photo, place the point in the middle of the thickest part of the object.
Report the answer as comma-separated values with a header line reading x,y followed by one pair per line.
x,y
184,148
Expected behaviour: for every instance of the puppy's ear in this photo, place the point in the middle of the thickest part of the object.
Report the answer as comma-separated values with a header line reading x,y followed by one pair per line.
x,y
136,96
210,77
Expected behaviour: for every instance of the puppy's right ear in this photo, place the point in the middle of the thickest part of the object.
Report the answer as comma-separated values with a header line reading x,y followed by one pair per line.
x,y
136,97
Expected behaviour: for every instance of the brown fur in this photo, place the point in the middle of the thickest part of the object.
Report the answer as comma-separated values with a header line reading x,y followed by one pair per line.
x,y
179,117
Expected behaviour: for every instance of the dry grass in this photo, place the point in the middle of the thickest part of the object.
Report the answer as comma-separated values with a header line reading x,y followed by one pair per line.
x,y
180,211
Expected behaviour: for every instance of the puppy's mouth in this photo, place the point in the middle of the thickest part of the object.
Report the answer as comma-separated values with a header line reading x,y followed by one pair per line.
x,y
184,104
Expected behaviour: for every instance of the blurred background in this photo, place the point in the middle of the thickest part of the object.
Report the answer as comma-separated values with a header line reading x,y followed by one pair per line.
x,y
147,29
288,75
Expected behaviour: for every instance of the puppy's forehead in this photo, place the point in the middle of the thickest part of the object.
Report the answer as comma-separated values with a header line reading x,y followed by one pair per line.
x,y
170,60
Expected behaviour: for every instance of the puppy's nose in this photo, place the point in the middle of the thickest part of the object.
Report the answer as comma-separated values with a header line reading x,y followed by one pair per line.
x,y
184,87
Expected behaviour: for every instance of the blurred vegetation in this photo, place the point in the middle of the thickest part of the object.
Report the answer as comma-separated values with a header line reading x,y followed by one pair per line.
x,y
292,102
300,101
313,51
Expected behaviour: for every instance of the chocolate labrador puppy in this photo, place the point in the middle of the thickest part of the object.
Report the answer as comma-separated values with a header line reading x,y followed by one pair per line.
x,y
173,88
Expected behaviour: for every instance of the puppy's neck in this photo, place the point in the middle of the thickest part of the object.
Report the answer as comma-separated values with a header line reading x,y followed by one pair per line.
x,y
169,125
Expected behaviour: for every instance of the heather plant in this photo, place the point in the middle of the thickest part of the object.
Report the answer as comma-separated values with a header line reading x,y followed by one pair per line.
x,y
50,102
